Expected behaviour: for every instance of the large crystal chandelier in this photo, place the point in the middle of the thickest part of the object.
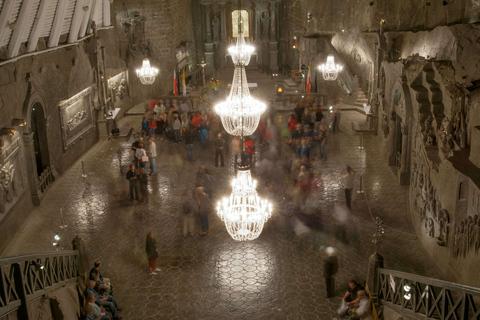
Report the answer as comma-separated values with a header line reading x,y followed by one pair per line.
x,y
330,70
240,113
244,212
241,52
147,74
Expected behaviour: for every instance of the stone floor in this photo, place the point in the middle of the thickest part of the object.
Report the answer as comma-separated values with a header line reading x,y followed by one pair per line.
x,y
214,277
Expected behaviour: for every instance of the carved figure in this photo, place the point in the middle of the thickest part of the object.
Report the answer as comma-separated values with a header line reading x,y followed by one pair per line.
x,y
471,232
447,138
7,186
265,24
216,28
429,131
76,119
456,243
442,237
431,228
385,127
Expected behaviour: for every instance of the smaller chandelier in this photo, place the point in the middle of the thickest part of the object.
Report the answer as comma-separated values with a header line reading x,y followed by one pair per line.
x,y
244,213
241,52
330,70
147,74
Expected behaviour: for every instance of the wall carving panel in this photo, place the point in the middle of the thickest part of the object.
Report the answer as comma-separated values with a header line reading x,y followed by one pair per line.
x,y
76,117
118,87
11,179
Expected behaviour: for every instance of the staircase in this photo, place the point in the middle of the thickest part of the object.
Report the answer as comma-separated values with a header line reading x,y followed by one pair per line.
x,y
361,97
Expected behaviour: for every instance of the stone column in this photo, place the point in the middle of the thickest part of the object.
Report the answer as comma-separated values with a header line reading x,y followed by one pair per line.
x,y
258,21
208,22
209,53
273,20
32,175
273,44
392,157
404,170
223,27
374,262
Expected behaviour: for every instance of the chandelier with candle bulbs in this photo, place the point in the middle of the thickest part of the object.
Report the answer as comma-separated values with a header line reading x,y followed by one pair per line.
x,y
240,113
147,74
329,69
244,212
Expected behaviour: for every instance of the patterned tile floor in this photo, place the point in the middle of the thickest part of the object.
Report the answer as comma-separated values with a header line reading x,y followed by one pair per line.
x,y
214,277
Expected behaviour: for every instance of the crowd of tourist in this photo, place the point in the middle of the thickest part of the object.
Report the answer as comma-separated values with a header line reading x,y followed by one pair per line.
x,y
305,145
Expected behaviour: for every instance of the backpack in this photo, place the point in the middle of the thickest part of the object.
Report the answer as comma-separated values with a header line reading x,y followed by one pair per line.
x,y
187,208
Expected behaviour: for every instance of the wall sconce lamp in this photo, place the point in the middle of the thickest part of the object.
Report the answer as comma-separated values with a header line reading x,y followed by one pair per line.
x,y
7,132
294,46
19,122
38,266
309,17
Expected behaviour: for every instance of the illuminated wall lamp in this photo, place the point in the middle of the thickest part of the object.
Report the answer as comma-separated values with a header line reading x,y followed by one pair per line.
x,y
7,132
19,122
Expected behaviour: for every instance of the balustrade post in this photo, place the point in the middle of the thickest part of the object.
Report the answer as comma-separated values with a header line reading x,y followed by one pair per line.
x,y
375,261
22,294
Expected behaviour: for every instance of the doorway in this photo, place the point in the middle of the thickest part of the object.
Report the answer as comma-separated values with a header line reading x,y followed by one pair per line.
x,y
40,141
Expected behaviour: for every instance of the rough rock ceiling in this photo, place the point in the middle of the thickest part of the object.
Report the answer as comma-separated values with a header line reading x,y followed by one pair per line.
x,y
26,21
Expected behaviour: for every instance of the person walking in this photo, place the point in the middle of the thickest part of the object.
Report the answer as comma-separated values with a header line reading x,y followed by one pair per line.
x,y
322,139
337,115
318,118
190,136
330,269
141,156
152,155
190,211
236,150
219,143
135,145
348,179
133,182
204,207
152,125
152,255
176,128
143,181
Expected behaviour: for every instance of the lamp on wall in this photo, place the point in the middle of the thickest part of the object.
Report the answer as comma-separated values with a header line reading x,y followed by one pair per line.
x,y
7,132
19,122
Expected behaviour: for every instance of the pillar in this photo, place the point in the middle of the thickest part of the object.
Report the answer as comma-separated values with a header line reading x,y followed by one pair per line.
x,y
273,18
404,170
392,157
32,175
209,49
258,21
83,264
208,22
273,44
223,27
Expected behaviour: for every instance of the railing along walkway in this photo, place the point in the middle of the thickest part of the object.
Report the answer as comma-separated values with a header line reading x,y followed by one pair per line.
x,y
427,298
26,278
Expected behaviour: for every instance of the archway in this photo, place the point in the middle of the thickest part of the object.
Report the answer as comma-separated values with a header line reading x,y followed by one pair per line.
x,y
401,118
40,173
38,126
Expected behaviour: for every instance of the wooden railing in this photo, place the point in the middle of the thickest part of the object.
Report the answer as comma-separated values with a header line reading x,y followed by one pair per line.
x,y
26,278
427,298
289,99
45,179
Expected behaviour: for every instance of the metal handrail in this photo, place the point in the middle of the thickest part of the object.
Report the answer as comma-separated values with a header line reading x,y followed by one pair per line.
x,y
431,298
289,98
28,277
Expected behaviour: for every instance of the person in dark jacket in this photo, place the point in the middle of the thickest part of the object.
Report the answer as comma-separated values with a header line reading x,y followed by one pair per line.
x,y
143,180
151,249
219,144
190,136
133,181
330,268
104,283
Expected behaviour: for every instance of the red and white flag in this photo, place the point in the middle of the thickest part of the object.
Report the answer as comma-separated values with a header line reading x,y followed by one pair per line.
x,y
309,80
175,86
